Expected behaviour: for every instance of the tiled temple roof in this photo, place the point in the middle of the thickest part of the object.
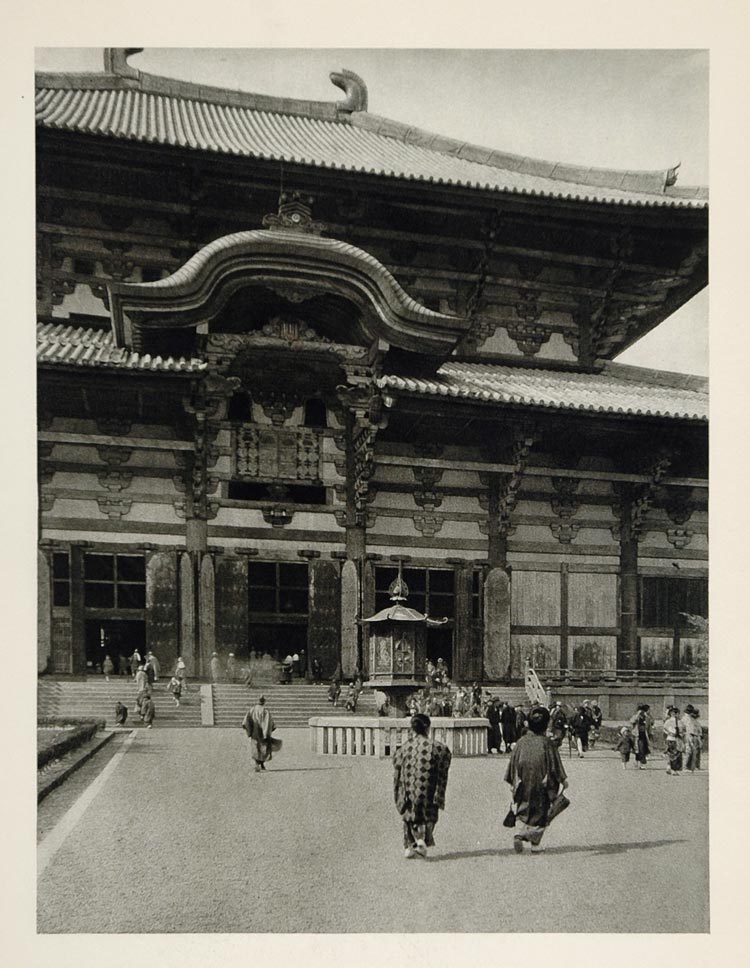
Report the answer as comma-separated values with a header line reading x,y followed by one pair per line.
x,y
618,389
146,108
60,344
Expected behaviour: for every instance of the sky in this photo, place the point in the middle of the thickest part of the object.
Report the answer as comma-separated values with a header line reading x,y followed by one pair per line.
x,y
635,109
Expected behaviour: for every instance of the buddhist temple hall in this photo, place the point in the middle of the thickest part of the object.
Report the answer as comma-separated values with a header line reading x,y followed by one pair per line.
x,y
286,348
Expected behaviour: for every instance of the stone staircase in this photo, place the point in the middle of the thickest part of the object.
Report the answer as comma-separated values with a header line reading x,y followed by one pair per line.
x,y
97,698
515,695
291,705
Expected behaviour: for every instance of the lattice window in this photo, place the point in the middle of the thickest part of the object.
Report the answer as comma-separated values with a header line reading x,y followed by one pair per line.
x,y
114,581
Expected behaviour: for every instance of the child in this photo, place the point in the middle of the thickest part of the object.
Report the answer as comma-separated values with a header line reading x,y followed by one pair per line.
x,y
351,698
121,714
625,745
175,687
334,691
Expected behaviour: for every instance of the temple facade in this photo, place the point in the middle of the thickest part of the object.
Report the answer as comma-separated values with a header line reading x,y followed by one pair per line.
x,y
285,345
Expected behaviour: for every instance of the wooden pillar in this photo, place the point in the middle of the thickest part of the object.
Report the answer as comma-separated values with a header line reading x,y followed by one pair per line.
x,y
43,612
367,608
206,614
188,642
496,623
497,541
162,607
350,599
564,650
627,645
78,630
324,618
232,604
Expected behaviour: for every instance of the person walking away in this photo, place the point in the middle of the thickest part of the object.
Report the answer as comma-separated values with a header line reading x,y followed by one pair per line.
x,y
287,667
121,714
625,745
494,736
150,674
231,668
693,740
259,725
155,665
580,725
108,667
674,735
175,687
420,779
180,672
148,711
215,667
558,724
596,724
141,687
135,662
536,776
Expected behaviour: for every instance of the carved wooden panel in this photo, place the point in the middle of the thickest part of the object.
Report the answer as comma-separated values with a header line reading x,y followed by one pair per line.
x,y
535,598
162,618
289,453
592,652
324,624
656,652
542,651
231,604
592,600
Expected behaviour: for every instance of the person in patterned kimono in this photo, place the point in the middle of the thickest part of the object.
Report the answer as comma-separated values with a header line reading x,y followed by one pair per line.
x,y
420,777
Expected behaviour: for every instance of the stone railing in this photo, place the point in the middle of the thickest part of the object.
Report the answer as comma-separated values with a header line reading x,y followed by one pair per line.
x,y
379,736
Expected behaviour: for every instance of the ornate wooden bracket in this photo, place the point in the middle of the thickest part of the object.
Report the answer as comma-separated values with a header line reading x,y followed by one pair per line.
x,y
480,330
367,415
645,495
524,438
207,407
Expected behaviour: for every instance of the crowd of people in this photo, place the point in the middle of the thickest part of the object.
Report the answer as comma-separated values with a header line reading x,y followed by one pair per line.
x,y
145,676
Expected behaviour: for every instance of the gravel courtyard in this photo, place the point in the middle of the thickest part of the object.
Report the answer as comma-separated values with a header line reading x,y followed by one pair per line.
x,y
184,837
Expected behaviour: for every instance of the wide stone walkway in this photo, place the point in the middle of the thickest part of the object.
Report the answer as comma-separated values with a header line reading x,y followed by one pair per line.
x,y
173,832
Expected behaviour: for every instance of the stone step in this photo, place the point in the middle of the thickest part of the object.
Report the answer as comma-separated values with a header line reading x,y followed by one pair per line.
x,y
291,705
98,701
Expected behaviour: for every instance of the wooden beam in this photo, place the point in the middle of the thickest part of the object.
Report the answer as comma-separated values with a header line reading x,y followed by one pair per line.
x,y
532,471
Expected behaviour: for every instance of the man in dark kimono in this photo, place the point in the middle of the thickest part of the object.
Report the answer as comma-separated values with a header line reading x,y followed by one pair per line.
x,y
558,724
508,725
420,777
494,736
536,776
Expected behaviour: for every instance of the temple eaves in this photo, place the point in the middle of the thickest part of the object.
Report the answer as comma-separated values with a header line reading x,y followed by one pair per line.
x,y
124,102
